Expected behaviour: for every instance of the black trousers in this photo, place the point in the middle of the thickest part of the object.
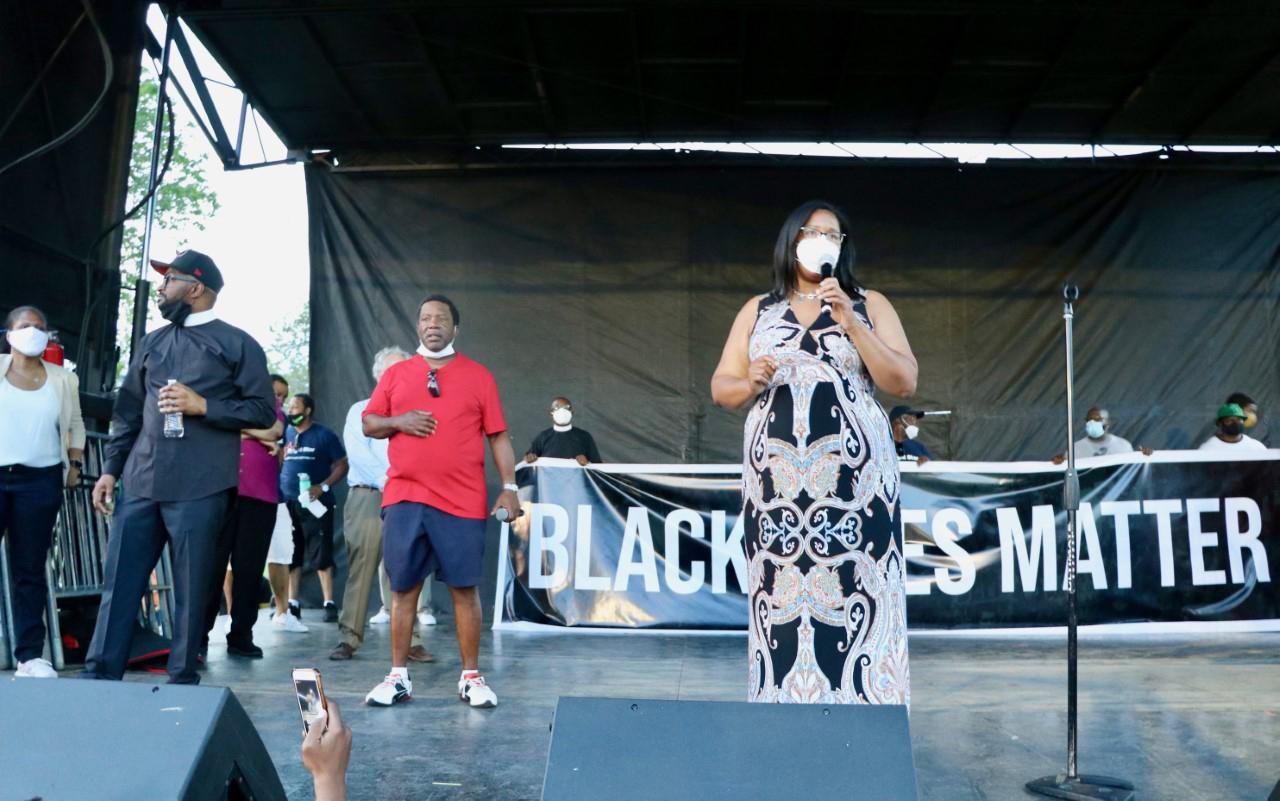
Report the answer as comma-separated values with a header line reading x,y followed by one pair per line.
x,y
315,535
244,540
138,536
30,498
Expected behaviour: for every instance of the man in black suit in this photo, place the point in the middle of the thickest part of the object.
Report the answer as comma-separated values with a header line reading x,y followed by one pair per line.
x,y
178,482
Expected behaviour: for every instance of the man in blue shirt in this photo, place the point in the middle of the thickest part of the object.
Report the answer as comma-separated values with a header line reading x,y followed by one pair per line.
x,y
902,420
315,450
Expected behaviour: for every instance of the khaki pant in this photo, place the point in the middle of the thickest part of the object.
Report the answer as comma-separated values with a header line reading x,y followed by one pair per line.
x,y
362,524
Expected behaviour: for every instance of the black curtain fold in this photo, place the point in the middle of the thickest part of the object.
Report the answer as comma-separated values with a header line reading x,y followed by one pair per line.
x,y
617,287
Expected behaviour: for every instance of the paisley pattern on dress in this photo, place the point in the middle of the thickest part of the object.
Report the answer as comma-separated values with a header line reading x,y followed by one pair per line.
x,y
820,489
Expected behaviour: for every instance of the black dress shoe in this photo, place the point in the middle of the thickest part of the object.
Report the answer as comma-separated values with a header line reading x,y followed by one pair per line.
x,y
249,651
330,613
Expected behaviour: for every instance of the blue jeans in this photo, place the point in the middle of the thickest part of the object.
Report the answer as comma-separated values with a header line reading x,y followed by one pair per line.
x,y
30,498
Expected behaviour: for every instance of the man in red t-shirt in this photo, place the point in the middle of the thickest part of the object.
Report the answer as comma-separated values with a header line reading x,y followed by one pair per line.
x,y
438,408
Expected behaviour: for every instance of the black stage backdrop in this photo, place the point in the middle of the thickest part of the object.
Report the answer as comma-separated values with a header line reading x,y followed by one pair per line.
x,y
1164,538
617,287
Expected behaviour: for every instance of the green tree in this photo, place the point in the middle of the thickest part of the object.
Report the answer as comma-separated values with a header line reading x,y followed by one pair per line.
x,y
183,201
289,349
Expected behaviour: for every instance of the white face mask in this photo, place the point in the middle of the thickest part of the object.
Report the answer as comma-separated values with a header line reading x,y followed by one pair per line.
x,y
912,432
562,417
815,252
446,351
1094,429
29,341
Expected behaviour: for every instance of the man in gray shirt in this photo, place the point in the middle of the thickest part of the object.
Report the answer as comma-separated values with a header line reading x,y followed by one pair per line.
x,y
176,489
1098,439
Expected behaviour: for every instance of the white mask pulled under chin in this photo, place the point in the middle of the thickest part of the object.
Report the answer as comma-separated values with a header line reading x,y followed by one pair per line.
x,y
446,351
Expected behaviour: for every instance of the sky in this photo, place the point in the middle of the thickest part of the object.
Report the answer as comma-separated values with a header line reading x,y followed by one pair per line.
x,y
258,238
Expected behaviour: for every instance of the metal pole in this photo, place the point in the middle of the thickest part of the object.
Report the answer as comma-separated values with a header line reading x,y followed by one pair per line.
x,y
1071,785
142,290
1071,503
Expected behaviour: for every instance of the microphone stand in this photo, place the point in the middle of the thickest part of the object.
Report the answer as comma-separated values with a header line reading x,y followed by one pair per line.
x,y
1071,785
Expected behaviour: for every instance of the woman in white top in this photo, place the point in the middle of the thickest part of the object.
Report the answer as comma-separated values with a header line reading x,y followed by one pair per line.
x,y
41,444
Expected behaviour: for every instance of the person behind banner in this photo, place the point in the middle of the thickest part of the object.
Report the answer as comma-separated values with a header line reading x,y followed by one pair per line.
x,y
1098,439
438,409
563,440
902,420
1230,436
191,387
314,450
1252,417
820,480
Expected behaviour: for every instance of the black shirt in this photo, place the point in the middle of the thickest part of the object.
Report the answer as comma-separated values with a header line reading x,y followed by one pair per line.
x,y
565,445
229,370
909,447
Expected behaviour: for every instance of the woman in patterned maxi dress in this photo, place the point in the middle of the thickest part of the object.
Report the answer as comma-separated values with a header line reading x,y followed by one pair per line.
x,y
820,479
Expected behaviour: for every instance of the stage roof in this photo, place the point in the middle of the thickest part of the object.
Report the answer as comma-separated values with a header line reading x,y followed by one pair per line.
x,y
381,76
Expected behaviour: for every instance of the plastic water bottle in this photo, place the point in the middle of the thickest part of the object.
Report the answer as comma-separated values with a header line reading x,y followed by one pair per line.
x,y
173,420
304,484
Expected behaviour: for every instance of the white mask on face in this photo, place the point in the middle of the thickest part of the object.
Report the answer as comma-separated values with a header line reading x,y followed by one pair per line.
x,y
912,432
1094,429
562,417
29,341
815,252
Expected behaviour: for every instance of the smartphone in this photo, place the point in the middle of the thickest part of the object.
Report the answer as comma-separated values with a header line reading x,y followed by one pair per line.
x,y
309,688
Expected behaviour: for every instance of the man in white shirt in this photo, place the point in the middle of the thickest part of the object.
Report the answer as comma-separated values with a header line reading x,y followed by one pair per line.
x,y
1230,436
1098,439
362,521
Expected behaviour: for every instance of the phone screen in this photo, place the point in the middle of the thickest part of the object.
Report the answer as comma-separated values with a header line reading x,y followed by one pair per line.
x,y
310,691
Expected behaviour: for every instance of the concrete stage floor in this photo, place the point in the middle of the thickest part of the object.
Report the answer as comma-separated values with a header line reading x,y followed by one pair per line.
x,y
1183,717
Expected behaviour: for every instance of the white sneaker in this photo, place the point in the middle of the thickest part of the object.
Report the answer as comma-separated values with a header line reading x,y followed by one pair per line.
x,y
36,669
393,689
425,618
287,622
475,692
382,618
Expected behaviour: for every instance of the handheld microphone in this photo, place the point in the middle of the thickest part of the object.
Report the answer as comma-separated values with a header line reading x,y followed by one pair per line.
x,y
502,517
827,270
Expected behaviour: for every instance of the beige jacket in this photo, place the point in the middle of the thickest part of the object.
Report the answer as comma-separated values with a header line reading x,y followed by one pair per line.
x,y
67,386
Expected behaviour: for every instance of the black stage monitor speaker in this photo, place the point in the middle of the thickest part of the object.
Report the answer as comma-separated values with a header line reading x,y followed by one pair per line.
x,y
69,740
630,749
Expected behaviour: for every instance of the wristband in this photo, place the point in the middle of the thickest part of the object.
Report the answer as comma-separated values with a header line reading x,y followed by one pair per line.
x,y
511,487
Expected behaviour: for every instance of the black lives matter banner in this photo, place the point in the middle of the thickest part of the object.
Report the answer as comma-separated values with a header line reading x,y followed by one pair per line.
x,y
1172,537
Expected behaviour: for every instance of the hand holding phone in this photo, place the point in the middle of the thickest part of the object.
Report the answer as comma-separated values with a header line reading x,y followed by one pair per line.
x,y
326,750
312,703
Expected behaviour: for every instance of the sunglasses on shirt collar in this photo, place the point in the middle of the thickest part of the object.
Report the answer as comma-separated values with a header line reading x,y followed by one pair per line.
x,y
433,386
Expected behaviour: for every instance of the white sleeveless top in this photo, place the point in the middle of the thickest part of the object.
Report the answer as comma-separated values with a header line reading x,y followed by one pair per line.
x,y
29,433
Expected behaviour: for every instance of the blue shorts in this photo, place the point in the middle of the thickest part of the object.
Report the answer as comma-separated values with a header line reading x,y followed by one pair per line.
x,y
418,540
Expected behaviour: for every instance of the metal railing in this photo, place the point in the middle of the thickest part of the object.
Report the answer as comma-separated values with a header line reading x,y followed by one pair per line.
x,y
76,565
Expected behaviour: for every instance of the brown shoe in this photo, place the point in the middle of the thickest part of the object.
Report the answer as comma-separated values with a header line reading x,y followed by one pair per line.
x,y
419,654
342,652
